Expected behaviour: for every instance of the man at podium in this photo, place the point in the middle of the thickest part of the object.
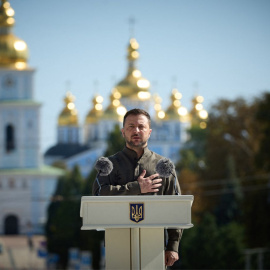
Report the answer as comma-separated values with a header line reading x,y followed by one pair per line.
x,y
134,172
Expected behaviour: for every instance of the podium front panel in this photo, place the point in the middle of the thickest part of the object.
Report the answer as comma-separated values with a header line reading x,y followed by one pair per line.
x,y
167,211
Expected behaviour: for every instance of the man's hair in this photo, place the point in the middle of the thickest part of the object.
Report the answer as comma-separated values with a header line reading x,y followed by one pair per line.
x,y
137,112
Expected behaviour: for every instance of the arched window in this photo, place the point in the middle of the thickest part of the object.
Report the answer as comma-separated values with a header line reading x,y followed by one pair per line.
x,y
10,138
11,225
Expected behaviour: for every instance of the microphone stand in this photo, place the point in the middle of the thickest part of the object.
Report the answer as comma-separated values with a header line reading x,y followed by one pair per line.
x,y
175,189
97,194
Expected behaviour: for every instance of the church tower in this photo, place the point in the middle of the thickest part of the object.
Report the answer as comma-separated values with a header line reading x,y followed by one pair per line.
x,y
68,124
26,185
134,89
19,113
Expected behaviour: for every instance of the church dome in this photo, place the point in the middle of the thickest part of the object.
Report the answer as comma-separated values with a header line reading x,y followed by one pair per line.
x,y
96,112
13,51
115,110
198,114
69,115
133,86
172,111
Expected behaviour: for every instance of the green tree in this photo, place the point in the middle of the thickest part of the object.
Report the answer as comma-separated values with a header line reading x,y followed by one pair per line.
x,y
64,222
234,183
263,117
208,246
115,141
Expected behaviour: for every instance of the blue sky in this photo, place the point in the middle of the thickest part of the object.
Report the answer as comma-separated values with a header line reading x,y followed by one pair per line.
x,y
218,49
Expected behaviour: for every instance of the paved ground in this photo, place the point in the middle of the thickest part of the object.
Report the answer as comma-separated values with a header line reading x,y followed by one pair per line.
x,y
17,255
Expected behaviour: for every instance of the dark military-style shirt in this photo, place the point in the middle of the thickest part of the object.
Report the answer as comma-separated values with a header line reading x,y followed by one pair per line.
x,y
122,181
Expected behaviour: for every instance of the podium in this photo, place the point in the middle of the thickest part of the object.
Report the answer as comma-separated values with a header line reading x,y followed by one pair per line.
x,y
134,226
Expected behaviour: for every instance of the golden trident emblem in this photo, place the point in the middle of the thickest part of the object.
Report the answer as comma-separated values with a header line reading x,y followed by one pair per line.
x,y
137,212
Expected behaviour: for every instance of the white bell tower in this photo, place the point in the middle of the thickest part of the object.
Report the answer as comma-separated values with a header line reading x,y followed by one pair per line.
x,y
23,177
19,120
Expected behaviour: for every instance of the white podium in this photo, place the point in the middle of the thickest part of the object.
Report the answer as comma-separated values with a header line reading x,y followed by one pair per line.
x,y
134,226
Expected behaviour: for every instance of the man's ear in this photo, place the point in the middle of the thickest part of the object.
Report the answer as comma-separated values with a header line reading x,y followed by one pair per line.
x,y
122,131
150,132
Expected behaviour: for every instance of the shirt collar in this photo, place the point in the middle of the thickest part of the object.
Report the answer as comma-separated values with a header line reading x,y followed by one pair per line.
x,y
131,154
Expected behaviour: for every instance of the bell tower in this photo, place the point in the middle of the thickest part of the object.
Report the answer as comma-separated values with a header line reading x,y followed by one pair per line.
x,y
19,113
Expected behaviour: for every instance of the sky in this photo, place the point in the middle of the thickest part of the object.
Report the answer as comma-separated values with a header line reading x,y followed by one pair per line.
x,y
217,49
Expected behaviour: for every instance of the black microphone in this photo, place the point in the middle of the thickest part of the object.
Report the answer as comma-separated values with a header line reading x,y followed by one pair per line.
x,y
165,168
104,167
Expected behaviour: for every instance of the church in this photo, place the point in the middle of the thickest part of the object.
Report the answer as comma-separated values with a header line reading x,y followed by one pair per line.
x,y
26,184
27,177
83,143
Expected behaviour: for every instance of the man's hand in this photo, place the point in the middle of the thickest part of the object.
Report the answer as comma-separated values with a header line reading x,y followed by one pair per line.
x,y
149,184
171,257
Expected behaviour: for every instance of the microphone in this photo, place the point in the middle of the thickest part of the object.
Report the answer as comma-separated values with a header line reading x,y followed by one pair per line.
x,y
104,167
165,168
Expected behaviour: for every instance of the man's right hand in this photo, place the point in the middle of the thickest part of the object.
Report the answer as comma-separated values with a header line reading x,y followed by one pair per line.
x,y
149,184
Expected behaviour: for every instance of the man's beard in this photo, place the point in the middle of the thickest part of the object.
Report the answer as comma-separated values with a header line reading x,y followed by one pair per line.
x,y
142,144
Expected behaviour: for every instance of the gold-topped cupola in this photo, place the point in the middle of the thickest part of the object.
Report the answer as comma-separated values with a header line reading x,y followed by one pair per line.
x,y
96,112
172,111
198,114
13,51
69,115
115,111
160,114
134,86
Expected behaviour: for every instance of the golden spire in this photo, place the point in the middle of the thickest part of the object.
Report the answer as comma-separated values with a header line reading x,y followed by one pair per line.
x,y
134,85
69,115
96,112
13,51
198,114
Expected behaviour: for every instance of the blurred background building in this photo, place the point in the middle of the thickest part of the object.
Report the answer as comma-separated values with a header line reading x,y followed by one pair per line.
x,y
81,144
26,184
224,160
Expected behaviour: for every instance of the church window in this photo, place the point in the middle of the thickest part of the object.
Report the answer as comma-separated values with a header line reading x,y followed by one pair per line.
x,y
10,138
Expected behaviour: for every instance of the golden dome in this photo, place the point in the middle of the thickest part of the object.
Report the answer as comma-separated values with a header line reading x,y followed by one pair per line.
x,y
172,111
69,115
96,112
115,110
160,114
134,85
198,114
13,51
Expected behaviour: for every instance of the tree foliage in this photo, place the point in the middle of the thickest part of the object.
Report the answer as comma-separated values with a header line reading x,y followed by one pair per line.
x,y
207,246
64,222
227,167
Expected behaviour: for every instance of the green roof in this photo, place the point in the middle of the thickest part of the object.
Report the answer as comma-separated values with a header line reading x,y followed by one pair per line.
x,y
15,102
44,170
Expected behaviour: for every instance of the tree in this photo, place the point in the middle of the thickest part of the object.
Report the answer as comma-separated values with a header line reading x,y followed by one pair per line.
x,y
64,222
115,141
234,183
207,246
263,117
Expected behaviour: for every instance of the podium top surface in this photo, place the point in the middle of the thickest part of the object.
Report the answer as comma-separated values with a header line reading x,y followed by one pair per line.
x,y
168,211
